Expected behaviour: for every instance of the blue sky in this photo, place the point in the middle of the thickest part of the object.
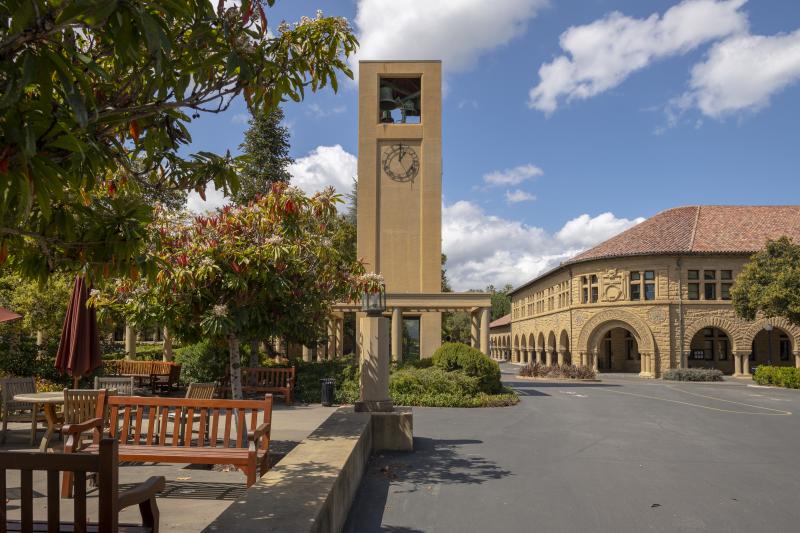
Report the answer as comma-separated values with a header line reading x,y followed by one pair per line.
x,y
566,121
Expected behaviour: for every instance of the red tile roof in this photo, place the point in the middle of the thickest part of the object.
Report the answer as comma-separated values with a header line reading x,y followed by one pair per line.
x,y
500,322
698,229
712,229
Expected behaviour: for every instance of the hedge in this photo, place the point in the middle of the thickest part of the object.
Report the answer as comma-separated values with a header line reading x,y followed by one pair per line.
x,y
693,374
780,376
457,356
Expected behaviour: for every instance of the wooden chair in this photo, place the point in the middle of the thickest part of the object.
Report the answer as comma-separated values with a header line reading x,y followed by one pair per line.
x,y
81,405
105,463
201,391
124,385
20,411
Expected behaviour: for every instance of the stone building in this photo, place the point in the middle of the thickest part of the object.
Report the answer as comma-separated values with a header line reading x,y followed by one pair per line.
x,y
655,297
500,338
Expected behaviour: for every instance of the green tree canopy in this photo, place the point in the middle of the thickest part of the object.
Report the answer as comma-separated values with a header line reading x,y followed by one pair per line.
x,y
770,283
96,99
268,268
265,156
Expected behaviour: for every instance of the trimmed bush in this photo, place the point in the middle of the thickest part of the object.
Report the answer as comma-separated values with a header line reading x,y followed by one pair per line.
x,y
453,356
436,387
344,371
538,370
780,376
693,374
203,362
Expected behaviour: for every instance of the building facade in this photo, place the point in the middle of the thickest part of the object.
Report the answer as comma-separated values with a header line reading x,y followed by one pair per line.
x,y
656,297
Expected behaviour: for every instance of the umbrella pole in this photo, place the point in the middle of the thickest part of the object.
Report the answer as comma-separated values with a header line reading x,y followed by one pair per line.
x,y
75,382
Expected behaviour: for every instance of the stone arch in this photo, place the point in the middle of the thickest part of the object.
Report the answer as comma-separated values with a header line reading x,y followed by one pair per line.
x,y
563,341
531,342
540,341
778,322
724,324
551,342
602,323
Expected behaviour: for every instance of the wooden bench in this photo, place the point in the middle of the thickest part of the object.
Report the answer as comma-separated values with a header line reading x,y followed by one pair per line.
x,y
157,374
110,503
142,427
265,380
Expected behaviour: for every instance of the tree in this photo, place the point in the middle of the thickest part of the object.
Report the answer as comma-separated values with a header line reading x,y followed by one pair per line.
x,y
265,156
96,99
445,282
501,300
265,269
770,283
42,306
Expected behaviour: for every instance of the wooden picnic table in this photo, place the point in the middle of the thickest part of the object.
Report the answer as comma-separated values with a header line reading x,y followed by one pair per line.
x,y
48,401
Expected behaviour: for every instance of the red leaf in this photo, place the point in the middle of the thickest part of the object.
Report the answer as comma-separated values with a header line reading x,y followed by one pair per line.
x,y
247,13
134,130
3,252
263,19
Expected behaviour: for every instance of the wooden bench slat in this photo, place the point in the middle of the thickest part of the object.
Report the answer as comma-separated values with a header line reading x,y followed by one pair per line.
x,y
214,428
53,500
226,437
80,501
26,490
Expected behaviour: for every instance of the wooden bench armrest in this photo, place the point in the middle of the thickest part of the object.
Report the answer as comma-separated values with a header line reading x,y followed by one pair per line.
x,y
256,435
82,427
141,492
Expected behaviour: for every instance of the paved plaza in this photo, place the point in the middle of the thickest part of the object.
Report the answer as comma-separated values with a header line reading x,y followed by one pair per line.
x,y
195,494
623,455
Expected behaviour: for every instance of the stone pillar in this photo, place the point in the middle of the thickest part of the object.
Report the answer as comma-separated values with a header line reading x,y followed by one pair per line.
x,y
560,357
397,335
549,358
130,342
306,353
582,358
797,359
746,364
375,353
340,336
594,360
485,314
538,355
473,319
737,365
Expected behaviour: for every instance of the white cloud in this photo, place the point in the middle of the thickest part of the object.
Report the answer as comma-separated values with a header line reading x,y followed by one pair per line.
x,y
214,200
240,118
325,166
518,195
455,31
468,102
484,249
742,73
601,55
512,176
318,111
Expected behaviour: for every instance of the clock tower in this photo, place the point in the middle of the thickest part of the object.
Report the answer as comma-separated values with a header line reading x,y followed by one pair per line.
x,y
400,184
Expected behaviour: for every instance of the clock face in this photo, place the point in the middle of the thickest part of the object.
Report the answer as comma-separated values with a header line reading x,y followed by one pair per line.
x,y
401,163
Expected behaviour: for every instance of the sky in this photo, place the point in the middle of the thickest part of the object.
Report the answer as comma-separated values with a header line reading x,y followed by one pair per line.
x,y
565,121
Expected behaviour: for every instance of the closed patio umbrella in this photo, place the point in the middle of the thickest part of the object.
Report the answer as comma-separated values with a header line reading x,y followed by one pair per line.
x,y
79,347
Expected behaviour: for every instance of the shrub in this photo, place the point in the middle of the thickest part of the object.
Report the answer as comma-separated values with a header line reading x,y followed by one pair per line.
x,y
344,371
693,374
436,387
202,362
457,356
780,376
538,370
20,356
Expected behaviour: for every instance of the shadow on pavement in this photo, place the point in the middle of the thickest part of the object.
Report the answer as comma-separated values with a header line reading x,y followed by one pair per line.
x,y
433,462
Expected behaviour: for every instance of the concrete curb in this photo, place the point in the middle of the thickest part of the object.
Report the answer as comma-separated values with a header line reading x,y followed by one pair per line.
x,y
312,488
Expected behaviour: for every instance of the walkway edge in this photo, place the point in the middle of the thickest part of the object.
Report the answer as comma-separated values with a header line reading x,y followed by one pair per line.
x,y
312,488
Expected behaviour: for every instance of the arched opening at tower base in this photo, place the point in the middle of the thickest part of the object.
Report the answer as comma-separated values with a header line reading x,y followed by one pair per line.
x,y
772,347
711,348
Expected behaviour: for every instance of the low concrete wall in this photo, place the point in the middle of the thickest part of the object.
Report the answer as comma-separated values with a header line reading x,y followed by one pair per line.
x,y
312,488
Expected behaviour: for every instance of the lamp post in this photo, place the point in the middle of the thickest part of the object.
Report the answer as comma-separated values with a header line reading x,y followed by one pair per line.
x,y
768,329
375,353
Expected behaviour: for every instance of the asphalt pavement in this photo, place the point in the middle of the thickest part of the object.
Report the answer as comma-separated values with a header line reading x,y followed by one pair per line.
x,y
622,455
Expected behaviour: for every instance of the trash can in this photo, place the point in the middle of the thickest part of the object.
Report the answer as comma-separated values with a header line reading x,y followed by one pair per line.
x,y
327,391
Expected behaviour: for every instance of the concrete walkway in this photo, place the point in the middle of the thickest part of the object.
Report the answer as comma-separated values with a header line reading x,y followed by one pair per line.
x,y
624,455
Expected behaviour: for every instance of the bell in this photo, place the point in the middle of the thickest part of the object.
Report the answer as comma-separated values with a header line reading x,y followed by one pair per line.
x,y
387,98
386,117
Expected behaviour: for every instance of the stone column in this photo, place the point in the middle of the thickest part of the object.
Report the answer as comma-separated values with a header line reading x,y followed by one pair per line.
x,y
737,366
746,364
130,342
340,336
397,335
560,357
797,359
484,333
538,355
375,353
582,358
306,353
473,319
549,358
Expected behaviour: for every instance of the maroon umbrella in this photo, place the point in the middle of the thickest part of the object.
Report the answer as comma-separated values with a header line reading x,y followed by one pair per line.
x,y
79,347
8,316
